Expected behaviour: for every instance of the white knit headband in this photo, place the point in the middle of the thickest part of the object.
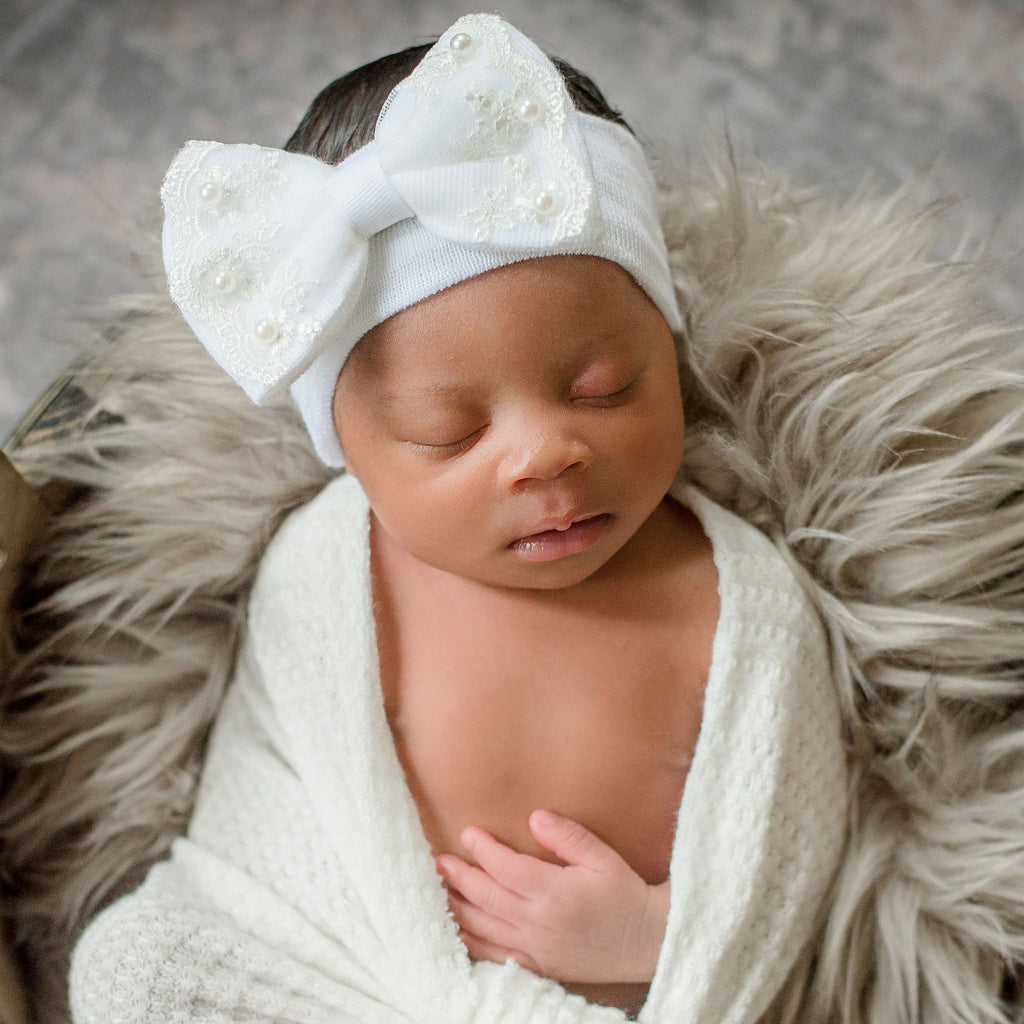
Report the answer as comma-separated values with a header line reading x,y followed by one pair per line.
x,y
281,263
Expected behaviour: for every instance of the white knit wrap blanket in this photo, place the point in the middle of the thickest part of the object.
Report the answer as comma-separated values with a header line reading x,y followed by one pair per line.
x,y
305,890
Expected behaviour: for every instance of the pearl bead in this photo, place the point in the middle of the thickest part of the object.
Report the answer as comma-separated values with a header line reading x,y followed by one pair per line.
x,y
461,42
529,110
267,331
224,282
210,193
545,201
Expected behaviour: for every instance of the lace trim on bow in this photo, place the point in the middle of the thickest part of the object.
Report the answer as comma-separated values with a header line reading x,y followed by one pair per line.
x,y
548,187
224,268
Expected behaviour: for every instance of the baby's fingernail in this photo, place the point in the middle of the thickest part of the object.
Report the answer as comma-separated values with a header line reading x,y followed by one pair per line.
x,y
543,819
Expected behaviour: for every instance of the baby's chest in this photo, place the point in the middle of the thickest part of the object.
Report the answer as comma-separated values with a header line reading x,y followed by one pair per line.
x,y
601,732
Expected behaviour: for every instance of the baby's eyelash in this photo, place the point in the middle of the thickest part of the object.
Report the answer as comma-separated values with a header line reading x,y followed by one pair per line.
x,y
448,447
611,395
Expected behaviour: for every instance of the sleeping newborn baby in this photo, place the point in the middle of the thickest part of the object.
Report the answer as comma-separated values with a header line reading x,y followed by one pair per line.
x,y
523,728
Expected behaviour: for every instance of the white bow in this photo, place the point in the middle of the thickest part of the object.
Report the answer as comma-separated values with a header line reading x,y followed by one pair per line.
x,y
481,143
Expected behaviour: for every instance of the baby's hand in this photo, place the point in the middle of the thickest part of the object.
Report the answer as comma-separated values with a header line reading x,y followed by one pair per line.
x,y
593,920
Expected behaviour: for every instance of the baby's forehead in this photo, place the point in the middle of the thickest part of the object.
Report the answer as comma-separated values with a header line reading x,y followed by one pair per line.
x,y
569,300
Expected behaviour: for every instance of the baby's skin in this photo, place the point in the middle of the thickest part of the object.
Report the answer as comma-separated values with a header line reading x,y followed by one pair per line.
x,y
544,607
590,919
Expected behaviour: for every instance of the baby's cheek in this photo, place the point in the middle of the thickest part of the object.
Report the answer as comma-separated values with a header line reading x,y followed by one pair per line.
x,y
657,447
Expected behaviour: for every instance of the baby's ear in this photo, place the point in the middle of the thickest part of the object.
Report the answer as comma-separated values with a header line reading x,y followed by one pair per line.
x,y
346,465
337,417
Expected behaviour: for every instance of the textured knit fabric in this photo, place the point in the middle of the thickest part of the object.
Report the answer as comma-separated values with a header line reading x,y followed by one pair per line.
x,y
305,890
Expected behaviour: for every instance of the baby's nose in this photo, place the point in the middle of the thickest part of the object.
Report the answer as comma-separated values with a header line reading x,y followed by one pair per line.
x,y
546,454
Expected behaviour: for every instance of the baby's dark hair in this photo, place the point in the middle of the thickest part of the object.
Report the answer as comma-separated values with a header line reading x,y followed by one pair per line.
x,y
343,116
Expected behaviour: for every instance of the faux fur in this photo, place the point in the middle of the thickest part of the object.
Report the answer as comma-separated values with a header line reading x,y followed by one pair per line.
x,y
839,395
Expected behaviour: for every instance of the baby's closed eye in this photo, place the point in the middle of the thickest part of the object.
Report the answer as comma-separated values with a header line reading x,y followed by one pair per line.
x,y
459,443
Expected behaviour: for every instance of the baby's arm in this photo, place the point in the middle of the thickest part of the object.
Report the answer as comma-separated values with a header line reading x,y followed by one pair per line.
x,y
592,920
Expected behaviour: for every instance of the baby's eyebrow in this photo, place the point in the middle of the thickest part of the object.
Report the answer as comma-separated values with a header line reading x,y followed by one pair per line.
x,y
419,393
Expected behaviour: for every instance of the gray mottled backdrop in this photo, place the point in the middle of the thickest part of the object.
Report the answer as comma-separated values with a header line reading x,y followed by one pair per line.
x,y
96,96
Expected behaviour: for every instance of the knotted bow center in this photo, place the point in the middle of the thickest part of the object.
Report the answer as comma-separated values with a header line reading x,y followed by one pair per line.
x,y
363,193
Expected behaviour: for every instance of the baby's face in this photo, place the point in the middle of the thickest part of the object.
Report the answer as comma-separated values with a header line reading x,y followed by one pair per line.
x,y
518,428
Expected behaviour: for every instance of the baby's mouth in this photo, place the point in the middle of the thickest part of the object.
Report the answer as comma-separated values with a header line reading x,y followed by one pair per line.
x,y
562,539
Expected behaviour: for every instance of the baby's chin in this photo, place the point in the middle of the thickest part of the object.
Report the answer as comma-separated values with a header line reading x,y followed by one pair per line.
x,y
508,572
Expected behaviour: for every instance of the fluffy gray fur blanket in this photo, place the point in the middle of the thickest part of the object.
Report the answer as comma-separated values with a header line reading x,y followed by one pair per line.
x,y
840,396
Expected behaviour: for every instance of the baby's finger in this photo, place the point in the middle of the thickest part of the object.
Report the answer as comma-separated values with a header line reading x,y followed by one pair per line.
x,y
519,873
472,919
481,949
477,887
574,843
